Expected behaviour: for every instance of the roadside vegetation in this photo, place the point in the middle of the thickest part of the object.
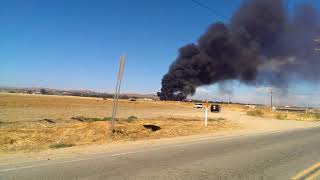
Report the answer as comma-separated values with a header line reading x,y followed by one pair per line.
x,y
88,119
282,115
60,145
41,135
257,112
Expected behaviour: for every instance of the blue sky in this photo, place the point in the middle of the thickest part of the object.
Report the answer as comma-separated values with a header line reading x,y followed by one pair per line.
x,y
76,44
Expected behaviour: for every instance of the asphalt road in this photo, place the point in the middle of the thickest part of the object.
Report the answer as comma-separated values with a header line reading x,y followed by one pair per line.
x,y
265,156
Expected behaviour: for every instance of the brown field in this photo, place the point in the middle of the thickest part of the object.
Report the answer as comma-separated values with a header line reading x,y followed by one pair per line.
x,y
38,122
20,107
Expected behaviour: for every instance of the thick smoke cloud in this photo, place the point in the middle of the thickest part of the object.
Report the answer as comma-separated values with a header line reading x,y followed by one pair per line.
x,y
262,44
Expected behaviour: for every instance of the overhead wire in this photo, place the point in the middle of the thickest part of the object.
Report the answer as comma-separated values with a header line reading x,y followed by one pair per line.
x,y
211,10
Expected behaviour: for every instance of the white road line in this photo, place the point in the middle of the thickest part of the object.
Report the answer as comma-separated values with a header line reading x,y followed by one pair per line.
x,y
198,141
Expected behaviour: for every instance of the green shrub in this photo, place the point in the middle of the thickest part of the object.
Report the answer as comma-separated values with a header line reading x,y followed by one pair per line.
x,y
105,119
216,119
255,113
60,145
131,118
281,116
86,119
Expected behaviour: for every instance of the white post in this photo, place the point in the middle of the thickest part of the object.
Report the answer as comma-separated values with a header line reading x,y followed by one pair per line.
x,y
206,115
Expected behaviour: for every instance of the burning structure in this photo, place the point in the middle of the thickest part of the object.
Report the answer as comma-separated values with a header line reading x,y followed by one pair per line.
x,y
262,44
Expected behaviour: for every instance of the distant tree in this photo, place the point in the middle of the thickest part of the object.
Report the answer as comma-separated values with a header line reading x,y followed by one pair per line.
x,y
124,97
43,91
76,93
29,92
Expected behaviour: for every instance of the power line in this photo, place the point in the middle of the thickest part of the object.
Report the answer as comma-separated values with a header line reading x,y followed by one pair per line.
x,y
210,10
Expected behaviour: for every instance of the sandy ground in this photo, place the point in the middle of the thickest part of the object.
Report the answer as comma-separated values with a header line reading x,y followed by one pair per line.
x,y
30,108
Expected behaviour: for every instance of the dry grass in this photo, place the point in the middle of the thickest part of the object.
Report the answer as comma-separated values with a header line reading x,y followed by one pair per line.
x,y
37,122
256,112
43,135
20,107
235,107
281,115
267,113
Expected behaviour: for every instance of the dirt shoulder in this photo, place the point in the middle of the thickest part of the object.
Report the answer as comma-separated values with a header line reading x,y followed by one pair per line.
x,y
119,147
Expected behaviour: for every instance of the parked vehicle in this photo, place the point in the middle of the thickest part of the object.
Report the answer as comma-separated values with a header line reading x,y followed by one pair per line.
x,y
198,105
215,108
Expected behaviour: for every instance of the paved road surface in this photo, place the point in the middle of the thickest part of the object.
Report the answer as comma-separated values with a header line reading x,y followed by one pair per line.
x,y
266,156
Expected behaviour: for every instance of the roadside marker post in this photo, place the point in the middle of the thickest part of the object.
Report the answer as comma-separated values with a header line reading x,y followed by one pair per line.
x,y
206,115
117,92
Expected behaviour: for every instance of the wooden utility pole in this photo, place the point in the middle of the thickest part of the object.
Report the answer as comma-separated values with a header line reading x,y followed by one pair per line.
x,y
117,92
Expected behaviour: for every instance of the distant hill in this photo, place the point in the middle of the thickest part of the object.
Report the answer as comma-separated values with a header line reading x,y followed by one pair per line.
x,y
82,93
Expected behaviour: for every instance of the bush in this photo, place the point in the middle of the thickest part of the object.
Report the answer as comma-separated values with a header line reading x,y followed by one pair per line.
x,y
317,115
281,116
255,113
132,118
60,145
216,119
86,119
43,91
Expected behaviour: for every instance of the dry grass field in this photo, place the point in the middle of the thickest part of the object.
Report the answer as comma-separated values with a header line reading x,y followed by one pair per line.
x,y
38,122
25,108
281,115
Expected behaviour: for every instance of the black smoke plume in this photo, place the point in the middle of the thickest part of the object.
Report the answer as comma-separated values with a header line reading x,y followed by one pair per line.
x,y
262,44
